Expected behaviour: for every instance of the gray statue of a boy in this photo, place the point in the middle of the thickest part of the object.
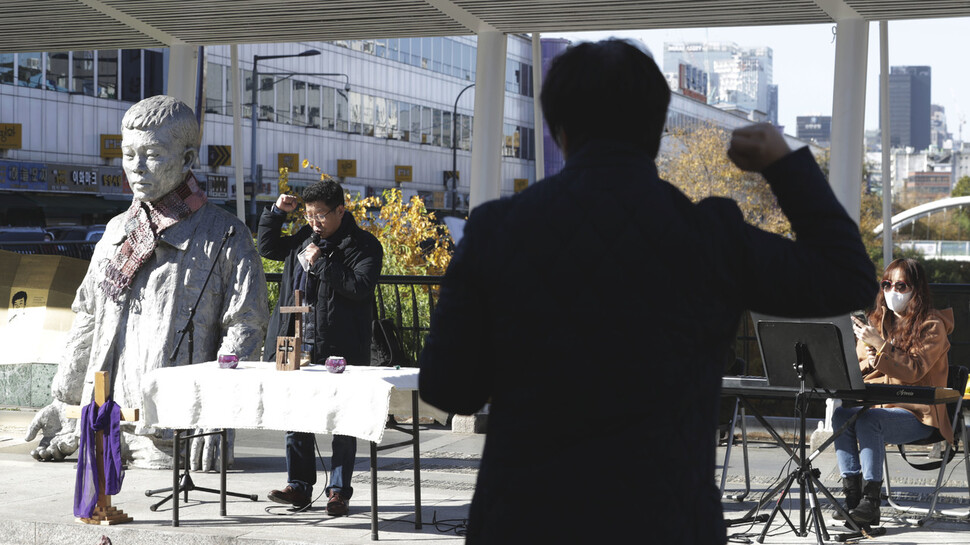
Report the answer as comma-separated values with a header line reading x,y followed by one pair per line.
x,y
146,273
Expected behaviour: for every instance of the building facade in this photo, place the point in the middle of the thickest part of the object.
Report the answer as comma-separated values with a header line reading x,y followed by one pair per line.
x,y
376,114
909,107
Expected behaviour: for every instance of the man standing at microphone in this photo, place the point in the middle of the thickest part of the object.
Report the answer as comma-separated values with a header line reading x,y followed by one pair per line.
x,y
335,264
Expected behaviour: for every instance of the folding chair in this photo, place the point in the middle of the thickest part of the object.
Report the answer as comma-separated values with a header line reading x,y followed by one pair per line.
x,y
957,380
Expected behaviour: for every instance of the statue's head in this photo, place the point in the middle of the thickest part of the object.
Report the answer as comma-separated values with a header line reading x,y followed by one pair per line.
x,y
159,144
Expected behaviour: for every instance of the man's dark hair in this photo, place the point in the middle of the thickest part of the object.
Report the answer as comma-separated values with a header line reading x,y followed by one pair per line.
x,y
19,295
328,192
607,90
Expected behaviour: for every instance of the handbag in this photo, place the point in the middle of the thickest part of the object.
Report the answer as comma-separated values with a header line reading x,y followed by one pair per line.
x,y
386,347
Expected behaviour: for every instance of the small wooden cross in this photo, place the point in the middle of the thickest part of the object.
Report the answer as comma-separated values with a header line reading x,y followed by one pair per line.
x,y
289,349
104,513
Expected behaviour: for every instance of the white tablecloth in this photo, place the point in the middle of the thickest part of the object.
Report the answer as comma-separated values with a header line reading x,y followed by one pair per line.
x,y
256,395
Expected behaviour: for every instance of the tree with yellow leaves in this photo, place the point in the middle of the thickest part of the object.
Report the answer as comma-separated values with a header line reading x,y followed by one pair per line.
x,y
695,160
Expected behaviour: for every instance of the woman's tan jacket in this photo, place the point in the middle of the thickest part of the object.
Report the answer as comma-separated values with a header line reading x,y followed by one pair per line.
x,y
924,364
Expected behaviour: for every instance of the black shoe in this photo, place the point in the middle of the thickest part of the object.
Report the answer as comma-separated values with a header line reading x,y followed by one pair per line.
x,y
867,513
291,496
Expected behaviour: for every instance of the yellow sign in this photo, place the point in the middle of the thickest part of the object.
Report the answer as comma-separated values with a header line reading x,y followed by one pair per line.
x,y
402,173
219,156
347,168
289,161
110,146
10,135
518,184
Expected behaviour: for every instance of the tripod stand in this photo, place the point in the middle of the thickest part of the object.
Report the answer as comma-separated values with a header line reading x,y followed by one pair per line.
x,y
185,483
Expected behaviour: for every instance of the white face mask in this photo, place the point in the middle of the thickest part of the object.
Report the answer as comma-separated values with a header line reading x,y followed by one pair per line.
x,y
897,301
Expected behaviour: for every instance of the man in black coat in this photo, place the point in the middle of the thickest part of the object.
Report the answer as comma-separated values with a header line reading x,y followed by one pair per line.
x,y
336,264
593,311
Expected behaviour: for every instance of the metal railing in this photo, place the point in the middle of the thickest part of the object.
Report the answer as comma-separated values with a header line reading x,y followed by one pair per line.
x,y
407,300
78,249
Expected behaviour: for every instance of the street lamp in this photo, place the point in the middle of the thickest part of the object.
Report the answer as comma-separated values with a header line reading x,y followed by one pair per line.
x,y
255,112
454,149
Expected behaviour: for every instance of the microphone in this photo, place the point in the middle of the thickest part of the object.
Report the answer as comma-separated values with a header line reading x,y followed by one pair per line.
x,y
315,239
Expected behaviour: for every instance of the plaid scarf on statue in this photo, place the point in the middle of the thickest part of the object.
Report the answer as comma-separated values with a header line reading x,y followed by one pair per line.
x,y
143,222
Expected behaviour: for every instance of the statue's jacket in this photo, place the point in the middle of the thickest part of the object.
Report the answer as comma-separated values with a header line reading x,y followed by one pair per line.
x,y
140,334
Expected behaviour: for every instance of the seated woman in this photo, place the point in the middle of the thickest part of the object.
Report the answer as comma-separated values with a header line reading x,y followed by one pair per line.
x,y
906,343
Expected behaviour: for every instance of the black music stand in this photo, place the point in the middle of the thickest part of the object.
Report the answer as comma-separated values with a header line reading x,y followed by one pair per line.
x,y
809,355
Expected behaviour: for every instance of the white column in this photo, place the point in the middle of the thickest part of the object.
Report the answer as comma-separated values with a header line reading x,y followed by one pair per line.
x,y
182,73
887,181
536,87
486,166
237,141
848,113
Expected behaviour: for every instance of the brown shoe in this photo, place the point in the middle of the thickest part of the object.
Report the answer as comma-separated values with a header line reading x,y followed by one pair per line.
x,y
337,505
291,496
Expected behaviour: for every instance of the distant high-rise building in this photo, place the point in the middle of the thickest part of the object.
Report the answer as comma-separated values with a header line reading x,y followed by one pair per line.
x,y
814,128
739,78
938,134
909,107
773,104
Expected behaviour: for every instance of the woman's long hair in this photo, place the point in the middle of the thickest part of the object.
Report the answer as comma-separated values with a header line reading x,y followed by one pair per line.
x,y
903,331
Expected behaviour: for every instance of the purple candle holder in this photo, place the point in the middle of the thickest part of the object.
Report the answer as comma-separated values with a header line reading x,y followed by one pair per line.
x,y
228,361
336,364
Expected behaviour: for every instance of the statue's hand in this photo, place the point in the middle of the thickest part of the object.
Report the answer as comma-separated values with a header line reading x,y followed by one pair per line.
x,y
205,451
59,433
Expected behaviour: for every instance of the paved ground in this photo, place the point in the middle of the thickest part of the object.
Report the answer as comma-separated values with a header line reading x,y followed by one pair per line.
x,y
36,498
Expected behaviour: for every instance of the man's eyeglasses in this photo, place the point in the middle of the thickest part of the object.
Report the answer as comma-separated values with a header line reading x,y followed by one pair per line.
x,y
319,218
901,287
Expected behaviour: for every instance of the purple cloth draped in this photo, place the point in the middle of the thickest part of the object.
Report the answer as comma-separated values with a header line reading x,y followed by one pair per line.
x,y
106,419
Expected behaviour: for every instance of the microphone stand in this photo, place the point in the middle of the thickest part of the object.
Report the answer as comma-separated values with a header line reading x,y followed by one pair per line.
x,y
185,484
190,323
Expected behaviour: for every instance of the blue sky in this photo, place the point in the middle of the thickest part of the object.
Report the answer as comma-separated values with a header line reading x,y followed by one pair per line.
x,y
804,61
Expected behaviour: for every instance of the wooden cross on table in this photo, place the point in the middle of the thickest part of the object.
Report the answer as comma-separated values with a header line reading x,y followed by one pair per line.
x,y
103,513
289,349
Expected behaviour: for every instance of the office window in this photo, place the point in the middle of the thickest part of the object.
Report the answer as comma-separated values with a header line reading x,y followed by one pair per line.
x,y
425,53
283,101
367,115
435,127
392,48
299,103
427,114
446,56
405,47
404,120
393,129
267,99
436,47
83,77
227,79
6,67
380,117
416,123
328,115
213,89
456,58
354,112
416,52
468,65
57,71
313,97
380,48
467,124
108,73
247,91
28,69
342,115
446,129
131,75
152,72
